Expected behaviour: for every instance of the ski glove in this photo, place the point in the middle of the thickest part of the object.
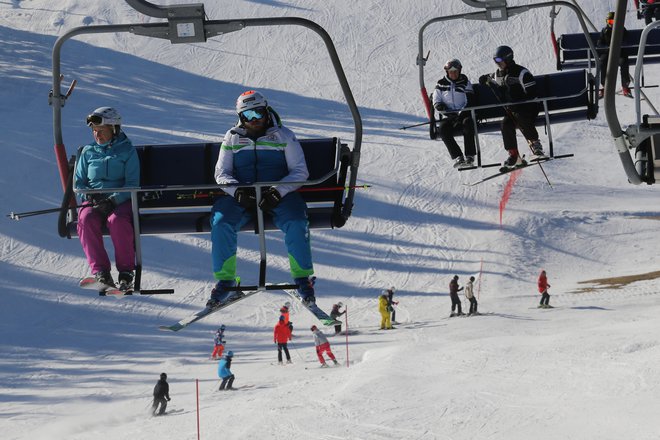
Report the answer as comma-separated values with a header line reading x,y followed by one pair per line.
x,y
440,106
484,79
270,198
246,196
104,207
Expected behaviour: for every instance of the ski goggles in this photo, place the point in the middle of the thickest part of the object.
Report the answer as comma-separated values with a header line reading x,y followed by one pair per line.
x,y
253,114
452,69
610,22
94,120
498,59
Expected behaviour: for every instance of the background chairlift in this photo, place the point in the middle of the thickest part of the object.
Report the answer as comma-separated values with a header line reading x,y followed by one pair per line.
x,y
162,205
644,135
563,98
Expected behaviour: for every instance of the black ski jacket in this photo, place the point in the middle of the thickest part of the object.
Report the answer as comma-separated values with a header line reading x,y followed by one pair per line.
x,y
162,390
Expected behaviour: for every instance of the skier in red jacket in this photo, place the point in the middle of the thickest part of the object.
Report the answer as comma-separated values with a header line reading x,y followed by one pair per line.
x,y
281,336
543,290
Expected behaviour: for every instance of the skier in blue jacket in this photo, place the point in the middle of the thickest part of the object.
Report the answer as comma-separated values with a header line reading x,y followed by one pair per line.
x,y
258,149
109,162
224,371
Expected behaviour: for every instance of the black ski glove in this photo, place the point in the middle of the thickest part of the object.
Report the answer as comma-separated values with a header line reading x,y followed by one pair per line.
x,y
270,198
104,207
246,196
484,79
440,106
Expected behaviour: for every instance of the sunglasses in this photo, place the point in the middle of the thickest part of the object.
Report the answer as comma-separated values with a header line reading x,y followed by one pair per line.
x,y
253,114
94,120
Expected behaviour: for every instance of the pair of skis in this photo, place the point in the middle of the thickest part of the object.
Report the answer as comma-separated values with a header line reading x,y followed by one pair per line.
x,y
532,162
240,296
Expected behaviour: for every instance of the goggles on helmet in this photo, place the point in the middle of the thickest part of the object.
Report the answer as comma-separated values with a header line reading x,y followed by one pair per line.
x,y
610,21
453,66
253,114
94,119
498,59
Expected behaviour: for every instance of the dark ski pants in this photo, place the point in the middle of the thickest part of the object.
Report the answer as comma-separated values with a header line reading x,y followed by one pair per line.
x,y
337,328
227,382
651,12
523,118
393,319
545,298
158,401
282,346
463,122
624,67
473,305
455,302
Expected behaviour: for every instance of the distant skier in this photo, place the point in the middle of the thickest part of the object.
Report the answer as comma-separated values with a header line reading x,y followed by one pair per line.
x,y
284,311
385,321
224,372
161,395
335,314
219,343
391,303
281,337
322,346
469,294
452,93
514,83
543,290
604,40
455,300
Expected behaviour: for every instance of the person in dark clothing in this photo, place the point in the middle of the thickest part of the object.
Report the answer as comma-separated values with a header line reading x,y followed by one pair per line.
x,y
161,395
650,10
453,294
335,314
453,93
604,40
224,371
514,83
391,303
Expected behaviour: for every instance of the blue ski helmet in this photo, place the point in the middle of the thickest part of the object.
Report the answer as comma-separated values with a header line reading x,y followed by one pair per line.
x,y
503,53
230,354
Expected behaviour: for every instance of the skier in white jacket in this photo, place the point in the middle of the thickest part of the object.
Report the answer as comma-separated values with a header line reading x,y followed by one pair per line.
x,y
469,294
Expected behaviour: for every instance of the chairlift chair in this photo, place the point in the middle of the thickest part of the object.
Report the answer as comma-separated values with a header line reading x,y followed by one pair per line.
x,y
562,98
163,206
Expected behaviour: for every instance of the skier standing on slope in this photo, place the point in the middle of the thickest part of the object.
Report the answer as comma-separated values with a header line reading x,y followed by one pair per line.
x,y
322,346
281,337
218,343
452,93
543,290
284,311
453,295
259,148
469,294
391,303
335,314
161,395
514,83
224,372
385,321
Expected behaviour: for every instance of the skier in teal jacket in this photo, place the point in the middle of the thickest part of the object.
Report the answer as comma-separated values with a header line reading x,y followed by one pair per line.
x,y
109,162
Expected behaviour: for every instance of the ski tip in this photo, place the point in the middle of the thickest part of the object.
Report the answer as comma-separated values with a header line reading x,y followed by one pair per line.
x,y
168,328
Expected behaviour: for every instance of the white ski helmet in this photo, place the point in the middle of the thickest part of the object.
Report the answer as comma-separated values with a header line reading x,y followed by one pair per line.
x,y
104,116
287,305
249,100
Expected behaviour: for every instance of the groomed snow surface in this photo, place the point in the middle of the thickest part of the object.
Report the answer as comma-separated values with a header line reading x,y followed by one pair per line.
x,y
77,366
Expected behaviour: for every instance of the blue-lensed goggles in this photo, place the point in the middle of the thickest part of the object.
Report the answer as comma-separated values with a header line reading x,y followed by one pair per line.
x,y
253,114
498,59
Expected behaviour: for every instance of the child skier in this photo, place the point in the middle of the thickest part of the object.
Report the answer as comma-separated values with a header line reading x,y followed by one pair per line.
x,y
219,343
543,290
281,336
224,372
335,314
322,346
161,395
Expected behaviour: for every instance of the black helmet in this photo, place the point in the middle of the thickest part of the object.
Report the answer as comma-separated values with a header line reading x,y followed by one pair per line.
x,y
163,376
453,63
503,53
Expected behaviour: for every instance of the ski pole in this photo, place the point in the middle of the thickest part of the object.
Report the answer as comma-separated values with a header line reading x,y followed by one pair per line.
x,y
294,347
18,215
517,124
415,125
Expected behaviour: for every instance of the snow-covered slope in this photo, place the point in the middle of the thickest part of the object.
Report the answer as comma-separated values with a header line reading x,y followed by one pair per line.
x,y
76,366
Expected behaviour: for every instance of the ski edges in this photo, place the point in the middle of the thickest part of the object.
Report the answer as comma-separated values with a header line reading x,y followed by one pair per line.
x,y
527,164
